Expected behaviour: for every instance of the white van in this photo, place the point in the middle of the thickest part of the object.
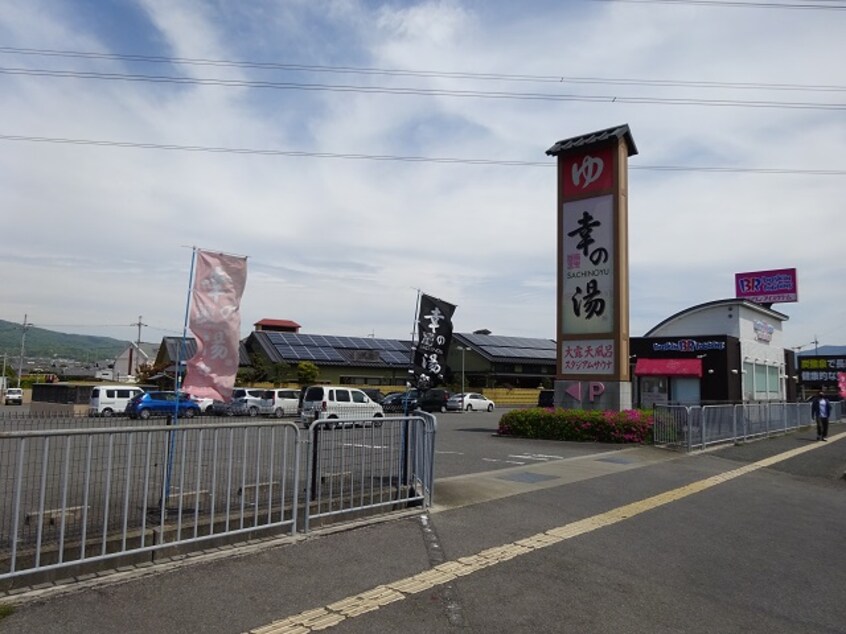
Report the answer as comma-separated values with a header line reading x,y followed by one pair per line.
x,y
282,402
335,401
107,400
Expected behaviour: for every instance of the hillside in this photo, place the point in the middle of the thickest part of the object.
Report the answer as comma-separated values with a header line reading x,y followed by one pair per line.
x,y
44,343
824,351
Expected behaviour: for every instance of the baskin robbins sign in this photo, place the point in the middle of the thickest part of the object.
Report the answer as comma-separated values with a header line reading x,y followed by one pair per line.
x,y
767,287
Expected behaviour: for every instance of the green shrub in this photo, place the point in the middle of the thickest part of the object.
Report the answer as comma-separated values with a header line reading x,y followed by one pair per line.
x,y
628,426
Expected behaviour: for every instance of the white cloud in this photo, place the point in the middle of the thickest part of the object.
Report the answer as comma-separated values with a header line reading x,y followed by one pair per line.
x,y
341,246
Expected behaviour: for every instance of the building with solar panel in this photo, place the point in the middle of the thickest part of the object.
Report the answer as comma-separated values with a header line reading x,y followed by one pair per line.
x,y
476,360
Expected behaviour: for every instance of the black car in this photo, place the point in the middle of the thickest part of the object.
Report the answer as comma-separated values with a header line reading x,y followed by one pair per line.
x,y
400,402
546,398
375,395
434,400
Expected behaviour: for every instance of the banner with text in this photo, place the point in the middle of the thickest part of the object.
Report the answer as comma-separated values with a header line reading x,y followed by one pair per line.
x,y
216,323
434,333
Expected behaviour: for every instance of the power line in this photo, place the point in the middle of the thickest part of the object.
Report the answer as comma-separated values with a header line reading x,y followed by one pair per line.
x,y
425,92
735,4
398,158
430,74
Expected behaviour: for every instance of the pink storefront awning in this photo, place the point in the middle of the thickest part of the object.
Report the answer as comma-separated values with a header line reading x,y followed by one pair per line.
x,y
669,367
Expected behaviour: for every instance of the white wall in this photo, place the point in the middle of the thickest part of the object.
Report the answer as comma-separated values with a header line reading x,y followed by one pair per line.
x,y
710,320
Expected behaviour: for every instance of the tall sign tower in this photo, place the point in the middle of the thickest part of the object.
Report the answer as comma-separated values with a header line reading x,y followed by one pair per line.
x,y
593,270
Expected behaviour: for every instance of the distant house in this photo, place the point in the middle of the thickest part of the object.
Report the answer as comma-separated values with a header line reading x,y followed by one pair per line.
x,y
134,356
173,348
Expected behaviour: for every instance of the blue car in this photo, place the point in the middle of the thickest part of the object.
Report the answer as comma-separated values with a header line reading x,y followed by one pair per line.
x,y
162,404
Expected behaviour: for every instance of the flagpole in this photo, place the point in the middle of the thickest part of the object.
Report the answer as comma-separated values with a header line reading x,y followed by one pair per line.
x,y
414,326
181,349
177,384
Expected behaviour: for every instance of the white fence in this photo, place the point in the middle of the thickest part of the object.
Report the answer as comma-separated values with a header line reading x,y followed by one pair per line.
x,y
696,427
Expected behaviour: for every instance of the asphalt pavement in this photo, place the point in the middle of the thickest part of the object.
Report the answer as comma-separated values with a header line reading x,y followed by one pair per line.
x,y
525,536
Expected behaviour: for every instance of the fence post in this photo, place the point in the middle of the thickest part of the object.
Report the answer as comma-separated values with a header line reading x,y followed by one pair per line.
x,y
734,423
689,428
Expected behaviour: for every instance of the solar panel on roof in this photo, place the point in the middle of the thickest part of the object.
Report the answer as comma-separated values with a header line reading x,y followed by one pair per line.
x,y
394,357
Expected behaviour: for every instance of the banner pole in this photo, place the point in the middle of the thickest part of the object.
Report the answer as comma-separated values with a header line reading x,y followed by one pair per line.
x,y
181,349
177,383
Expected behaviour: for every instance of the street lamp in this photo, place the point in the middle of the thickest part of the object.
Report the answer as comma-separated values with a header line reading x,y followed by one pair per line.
x,y
463,349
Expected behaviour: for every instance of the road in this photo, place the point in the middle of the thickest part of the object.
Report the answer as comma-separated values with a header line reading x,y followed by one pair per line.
x,y
590,538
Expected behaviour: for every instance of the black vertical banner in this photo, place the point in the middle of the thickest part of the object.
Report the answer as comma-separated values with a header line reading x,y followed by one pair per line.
x,y
434,333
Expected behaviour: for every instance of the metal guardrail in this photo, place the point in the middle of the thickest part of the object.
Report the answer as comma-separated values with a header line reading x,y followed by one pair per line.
x,y
88,495
362,465
691,428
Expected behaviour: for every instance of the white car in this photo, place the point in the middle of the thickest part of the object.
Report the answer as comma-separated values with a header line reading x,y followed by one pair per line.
x,y
282,402
14,396
470,402
336,401
206,404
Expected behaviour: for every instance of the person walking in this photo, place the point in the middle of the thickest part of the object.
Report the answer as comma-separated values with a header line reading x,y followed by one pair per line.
x,y
821,410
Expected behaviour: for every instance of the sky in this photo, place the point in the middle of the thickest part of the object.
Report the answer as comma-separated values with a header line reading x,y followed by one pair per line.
x,y
361,152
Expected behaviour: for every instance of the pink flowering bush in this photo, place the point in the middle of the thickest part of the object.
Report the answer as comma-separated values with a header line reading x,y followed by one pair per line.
x,y
628,426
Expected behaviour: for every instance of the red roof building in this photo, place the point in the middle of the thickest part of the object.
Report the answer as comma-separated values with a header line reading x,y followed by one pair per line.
x,y
276,325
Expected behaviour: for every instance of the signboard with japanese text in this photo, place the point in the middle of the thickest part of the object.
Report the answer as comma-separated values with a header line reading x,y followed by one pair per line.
x,y
816,372
434,333
588,302
215,320
588,174
588,356
767,287
593,288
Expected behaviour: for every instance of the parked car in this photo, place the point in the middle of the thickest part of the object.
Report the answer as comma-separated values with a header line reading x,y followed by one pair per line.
x,y
106,400
400,402
546,398
375,395
206,405
282,402
434,400
335,401
249,402
469,402
14,396
161,404
224,408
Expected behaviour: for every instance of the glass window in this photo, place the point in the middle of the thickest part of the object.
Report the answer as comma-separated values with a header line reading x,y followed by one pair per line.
x,y
773,383
342,396
760,381
358,397
110,393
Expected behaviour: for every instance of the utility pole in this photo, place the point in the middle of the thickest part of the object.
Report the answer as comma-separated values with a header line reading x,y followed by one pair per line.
x,y
140,324
23,340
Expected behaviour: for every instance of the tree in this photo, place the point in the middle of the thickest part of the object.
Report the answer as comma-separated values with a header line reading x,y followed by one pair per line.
x,y
307,373
261,370
144,372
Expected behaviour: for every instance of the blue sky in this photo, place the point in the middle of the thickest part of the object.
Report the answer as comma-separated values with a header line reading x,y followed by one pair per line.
x,y
341,245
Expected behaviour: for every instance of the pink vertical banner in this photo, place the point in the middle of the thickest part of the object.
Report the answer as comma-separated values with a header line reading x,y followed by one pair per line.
x,y
215,320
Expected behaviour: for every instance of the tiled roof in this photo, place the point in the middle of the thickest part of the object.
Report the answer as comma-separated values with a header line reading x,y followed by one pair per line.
x,y
601,136
278,323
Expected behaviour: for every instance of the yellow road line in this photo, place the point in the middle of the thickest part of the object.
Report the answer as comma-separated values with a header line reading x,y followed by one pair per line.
x,y
334,613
